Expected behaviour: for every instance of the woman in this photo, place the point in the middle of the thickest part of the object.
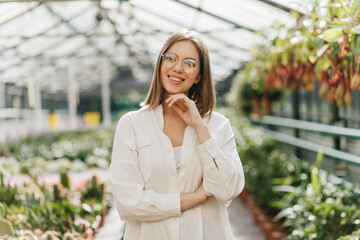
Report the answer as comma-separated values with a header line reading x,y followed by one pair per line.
x,y
175,164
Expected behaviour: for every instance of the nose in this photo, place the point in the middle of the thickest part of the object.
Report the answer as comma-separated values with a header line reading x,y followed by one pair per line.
x,y
178,66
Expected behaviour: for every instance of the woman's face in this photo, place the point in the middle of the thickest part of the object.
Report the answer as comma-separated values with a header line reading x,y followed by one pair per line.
x,y
175,79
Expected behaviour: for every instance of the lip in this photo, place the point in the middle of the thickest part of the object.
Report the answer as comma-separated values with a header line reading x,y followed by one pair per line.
x,y
173,81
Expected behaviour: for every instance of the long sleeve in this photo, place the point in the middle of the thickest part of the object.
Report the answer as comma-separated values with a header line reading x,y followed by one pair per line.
x,y
226,181
132,201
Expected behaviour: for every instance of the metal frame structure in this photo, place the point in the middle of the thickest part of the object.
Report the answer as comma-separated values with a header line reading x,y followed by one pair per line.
x,y
133,38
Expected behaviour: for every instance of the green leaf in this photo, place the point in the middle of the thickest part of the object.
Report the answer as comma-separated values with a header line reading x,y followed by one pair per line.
x,y
319,158
338,24
323,64
333,34
315,179
87,208
355,6
355,45
312,58
283,213
357,29
321,51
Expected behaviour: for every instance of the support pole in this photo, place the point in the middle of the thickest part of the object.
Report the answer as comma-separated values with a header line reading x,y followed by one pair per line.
x,y
105,94
2,96
72,96
296,115
2,106
37,105
340,167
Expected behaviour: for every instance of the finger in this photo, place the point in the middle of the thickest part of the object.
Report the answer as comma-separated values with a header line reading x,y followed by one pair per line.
x,y
178,110
182,97
175,99
169,98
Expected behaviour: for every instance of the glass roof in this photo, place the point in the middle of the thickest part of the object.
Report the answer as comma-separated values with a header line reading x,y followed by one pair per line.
x,y
41,40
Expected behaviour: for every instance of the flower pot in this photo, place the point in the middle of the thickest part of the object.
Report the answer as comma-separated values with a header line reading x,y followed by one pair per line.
x,y
269,228
244,196
92,119
53,120
277,236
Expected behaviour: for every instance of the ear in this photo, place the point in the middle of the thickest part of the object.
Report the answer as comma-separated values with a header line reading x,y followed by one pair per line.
x,y
198,78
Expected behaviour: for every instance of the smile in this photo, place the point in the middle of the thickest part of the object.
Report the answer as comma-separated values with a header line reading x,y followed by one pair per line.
x,y
176,80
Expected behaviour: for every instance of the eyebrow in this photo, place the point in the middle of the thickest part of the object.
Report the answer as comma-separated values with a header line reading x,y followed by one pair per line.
x,y
184,58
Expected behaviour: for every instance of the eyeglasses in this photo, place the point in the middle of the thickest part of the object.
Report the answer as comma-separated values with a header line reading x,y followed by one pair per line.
x,y
170,60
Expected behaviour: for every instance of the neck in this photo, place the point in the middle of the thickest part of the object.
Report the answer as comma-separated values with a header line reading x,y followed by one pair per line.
x,y
170,111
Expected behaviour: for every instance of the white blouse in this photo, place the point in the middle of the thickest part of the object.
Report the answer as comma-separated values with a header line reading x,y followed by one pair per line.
x,y
146,183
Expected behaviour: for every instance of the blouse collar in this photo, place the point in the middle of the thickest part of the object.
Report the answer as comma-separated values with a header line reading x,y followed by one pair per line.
x,y
159,116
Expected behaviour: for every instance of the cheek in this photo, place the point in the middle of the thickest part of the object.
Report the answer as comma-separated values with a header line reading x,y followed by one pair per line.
x,y
163,70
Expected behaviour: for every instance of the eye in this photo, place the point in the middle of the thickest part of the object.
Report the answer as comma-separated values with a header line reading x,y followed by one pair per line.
x,y
190,63
170,57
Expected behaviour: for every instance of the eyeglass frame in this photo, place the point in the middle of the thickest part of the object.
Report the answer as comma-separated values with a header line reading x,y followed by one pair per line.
x,y
197,64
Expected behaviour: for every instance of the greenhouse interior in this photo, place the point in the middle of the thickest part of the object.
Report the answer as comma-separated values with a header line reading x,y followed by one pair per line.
x,y
286,76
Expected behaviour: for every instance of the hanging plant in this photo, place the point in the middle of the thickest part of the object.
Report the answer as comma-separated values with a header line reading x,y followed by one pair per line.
x,y
323,47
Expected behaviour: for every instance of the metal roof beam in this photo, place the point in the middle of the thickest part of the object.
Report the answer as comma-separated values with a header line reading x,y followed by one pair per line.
x,y
20,14
131,54
99,51
43,32
280,6
236,25
63,36
180,24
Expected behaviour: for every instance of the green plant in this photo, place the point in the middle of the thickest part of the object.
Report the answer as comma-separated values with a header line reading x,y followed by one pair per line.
x,y
56,193
304,200
93,190
354,236
6,228
64,180
72,236
2,210
324,47
43,217
317,210
49,235
32,195
8,194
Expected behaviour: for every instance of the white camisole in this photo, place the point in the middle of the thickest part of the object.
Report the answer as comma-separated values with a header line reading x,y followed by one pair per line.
x,y
177,153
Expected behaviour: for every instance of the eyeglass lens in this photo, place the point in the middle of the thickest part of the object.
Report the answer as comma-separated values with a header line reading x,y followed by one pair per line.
x,y
170,59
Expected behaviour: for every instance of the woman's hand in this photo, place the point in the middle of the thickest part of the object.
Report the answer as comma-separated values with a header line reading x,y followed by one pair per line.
x,y
201,193
190,114
186,108
193,199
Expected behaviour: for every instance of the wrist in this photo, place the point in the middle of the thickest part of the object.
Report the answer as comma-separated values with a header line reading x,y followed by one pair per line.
x,y
203,197
202,132
200,126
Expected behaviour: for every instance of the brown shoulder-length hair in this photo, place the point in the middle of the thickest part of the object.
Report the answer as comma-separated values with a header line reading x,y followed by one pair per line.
x,y
202,93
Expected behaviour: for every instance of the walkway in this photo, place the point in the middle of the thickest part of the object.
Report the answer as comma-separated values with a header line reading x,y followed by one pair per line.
x,y
242,223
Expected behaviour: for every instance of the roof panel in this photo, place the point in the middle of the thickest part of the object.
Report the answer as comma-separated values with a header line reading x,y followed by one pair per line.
x,y
156,21
66,47
206,23
8,42
74,29
248,13
85,22
298,5
29,24
11,10
36,46
68,10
